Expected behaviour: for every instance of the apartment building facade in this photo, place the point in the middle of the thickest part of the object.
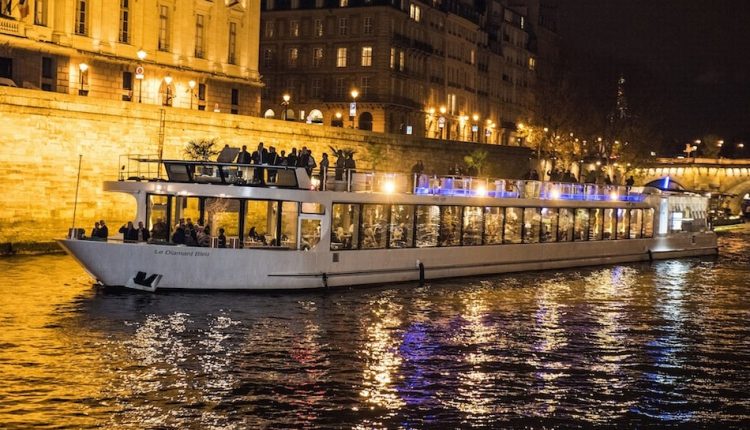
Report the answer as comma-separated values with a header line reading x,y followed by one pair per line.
x,y
443,69
197,54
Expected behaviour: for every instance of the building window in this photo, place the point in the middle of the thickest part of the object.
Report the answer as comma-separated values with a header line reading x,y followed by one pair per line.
x,y
294,28
199,32
315,88
532,63
163,28
401,61
341,57
47,68
317,60
343,3
293,55
366,56
365,87
235,100
40,12
201,96
267,57
269,29
124,21
393,58
340,87
127,86
82,8
415,12
232,57
318,28
367,25
343,26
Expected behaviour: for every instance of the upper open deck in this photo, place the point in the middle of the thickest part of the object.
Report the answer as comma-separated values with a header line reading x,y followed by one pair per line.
x,y
149,168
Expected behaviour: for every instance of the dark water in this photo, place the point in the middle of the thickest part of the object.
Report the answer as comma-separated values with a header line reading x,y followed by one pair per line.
x,y
664,344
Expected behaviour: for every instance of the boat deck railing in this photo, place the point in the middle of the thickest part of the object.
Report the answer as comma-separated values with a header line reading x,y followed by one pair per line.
x,y
149,168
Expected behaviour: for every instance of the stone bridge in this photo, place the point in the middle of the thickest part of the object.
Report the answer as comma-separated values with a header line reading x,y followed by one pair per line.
x,y
715,175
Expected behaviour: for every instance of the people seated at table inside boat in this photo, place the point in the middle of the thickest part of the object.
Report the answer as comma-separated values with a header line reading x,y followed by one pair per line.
x,y
95,231
254,237
222,241
399,236
178,237
204,236
100,231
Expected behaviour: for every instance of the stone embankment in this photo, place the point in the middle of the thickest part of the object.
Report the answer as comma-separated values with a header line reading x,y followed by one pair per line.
x,y
42,135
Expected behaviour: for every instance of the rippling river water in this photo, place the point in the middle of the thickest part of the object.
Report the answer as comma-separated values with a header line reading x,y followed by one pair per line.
x,y
661,344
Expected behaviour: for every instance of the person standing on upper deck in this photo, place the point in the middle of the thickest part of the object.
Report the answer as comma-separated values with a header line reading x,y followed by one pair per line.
x,y
273,160
323,169
260,156
243,157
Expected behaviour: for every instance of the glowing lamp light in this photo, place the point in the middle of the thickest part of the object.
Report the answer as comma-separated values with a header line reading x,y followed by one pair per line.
x,y
389,187
338,115
482,191
168,79
314,183
554,194
613,196
83,67
141,54
191,84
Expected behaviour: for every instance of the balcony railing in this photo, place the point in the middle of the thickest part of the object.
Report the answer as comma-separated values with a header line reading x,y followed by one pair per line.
x,y
10,26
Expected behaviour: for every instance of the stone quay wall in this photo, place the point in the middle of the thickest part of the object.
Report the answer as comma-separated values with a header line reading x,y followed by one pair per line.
x,y
43,133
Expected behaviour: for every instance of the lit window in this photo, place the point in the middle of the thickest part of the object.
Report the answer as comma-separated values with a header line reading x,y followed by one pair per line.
x,y
40,12
415,12
124,21
199,33
317,57
318,28
393,58
343,3
532,63
294,28
82,8
341,57
366,56
232,55
401,61
343,26
163,28
293,55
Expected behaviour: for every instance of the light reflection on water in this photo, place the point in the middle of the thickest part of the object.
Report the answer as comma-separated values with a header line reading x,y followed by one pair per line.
x,y
664,343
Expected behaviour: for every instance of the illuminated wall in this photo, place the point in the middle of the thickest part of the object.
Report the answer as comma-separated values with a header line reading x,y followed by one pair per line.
x,y
43,133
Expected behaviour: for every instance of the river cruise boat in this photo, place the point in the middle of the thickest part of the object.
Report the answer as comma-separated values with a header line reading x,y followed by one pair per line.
x,y
284,229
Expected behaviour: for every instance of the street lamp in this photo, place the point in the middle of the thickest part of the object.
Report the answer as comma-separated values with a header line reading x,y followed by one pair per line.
x,y
191,84
441,120
285,103
168,99
339,122
83,67
474,127
353,106
139,74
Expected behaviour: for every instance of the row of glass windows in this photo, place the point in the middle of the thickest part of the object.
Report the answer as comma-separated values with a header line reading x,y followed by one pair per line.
x,y
376,226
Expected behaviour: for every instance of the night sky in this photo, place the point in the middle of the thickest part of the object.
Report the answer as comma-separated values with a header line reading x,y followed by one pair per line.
x,y
693,56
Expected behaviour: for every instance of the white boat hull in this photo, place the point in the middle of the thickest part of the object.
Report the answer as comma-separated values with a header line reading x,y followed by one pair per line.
x,y
180,267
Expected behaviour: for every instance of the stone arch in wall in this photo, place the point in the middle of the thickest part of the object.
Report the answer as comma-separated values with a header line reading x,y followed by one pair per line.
x,y
739,190
269,113
365,121
315,117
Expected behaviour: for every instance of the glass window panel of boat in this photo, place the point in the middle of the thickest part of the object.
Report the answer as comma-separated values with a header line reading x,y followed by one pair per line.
x,y
344,226
428,223
532,223
401,227
374,225
260,222
581,224
622,223
493,225
608,227
223,213
312,208
187,209
289,214
310,233
549,225
450,225
157,210
473,225
595,224
636,222
566,228
648,223
513,220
